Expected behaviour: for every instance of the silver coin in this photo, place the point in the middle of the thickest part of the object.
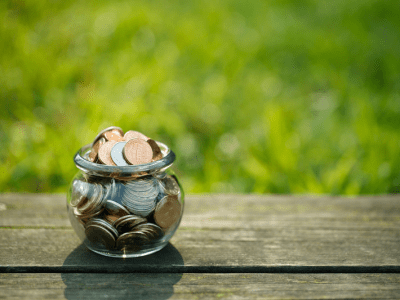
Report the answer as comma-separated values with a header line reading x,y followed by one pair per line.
x,y
103,223
160,175
95,202
127,223
131,241
100,236
111,190
152,230
171,185
84,218
116,209
79,193
117,156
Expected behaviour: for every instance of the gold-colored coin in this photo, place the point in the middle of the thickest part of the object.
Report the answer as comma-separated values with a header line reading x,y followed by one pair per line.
x,y
137,151
105,153
168,211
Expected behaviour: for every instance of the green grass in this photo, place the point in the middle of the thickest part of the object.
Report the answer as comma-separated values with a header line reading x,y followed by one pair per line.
x,y
253,96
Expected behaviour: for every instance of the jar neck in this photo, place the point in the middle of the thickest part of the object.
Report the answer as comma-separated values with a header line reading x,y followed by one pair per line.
x,y
124,172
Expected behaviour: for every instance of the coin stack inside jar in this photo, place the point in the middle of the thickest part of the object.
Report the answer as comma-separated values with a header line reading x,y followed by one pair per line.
x,y
126,215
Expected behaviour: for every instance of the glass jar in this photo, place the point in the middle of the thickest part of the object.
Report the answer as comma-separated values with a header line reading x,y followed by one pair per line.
x,y
125,211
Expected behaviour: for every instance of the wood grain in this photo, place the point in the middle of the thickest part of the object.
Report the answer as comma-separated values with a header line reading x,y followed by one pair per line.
x,y
199,286
228,246
270,247
229,211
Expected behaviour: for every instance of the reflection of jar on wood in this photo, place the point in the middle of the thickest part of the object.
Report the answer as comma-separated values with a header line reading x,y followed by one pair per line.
x,y
128,210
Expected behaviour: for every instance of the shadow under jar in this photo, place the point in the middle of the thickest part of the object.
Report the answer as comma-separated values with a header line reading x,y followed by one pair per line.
x,y
125,211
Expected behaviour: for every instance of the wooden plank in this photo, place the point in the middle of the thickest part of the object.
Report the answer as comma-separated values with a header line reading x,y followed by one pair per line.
x,y
199,286
222,231
192,249
229,211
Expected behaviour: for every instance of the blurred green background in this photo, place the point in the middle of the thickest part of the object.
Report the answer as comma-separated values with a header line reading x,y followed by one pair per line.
x,y
298,96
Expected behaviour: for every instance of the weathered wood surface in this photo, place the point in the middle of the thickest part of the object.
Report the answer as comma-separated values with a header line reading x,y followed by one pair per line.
x,y
199,286
229,211
60,248
220,231
238,238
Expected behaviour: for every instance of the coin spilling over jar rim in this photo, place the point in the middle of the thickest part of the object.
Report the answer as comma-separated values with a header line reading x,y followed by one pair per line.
x,y
114,148
125,201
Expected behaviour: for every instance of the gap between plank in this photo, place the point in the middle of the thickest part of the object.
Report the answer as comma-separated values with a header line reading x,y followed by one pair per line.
x,y
204,269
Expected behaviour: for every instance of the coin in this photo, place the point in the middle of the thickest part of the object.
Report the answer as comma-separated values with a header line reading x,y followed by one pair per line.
x,y
105,153
131,134
84,218
104,224
110,218
139,196
137,151
79,193
115,209
170,185
168,211
127,223
156,150
131,241
95,149
111,189
100,134
116,154
153,231
159,175
113,135
100,236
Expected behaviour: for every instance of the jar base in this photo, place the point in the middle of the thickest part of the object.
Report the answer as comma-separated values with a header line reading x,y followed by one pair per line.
x,y
127,255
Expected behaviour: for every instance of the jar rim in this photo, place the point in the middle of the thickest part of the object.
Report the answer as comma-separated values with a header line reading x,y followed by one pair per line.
x,y
124,171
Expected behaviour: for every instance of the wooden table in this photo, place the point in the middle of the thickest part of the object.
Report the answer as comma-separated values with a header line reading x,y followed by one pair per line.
x,y
228,246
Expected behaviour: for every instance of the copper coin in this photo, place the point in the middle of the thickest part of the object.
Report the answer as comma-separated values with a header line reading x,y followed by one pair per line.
x,y
156,149
110,218
115,209
95,149
131,134
113,135
168,211
100,236
101,133
105,153
137,151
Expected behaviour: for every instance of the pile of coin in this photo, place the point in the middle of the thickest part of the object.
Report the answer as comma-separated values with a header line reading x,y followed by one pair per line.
x,y
112,147
139,196
126,215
